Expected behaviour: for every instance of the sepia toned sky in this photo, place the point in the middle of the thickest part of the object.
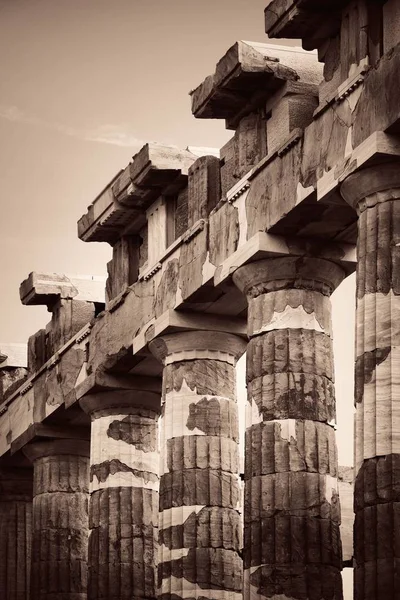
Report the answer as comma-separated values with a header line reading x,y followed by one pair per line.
x,y
84,83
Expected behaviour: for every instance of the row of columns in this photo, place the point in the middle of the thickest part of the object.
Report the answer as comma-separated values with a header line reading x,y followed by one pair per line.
x,y
178,506
174,506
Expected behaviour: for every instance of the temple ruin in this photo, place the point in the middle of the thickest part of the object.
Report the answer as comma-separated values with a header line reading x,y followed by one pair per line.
x,y
120,474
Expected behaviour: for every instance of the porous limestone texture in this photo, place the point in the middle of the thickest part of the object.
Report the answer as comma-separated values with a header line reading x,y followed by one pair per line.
x,y
124,483
375,193
292,547
15,532
199,520
59,519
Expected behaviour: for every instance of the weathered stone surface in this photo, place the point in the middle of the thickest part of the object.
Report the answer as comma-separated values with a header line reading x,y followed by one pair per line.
x,y
191,261
292,541
203,188
124,481
37,351
123,269
249,74
119,208
304,19
15,532
73,303
293,111
48,288
376,193
376,110
391,18
68,317
180,216
166,291
200,537
229,174
224,233
113,331
180,227
59,519
13,368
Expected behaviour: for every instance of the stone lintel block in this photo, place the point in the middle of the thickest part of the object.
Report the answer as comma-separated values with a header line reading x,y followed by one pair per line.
x,y
100,381
311,20
243,70
306,211
265,245
13,356
121,207
174,322
47,288
248,68
39,432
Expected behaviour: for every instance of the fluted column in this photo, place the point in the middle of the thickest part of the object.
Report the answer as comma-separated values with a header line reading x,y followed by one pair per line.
x,y
292,543
199,521
375,193
124,482
59,519
16,488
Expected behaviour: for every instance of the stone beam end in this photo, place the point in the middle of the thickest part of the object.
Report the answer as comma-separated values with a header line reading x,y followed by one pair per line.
x,y
311,20
47,288
238,75
121,207
13,356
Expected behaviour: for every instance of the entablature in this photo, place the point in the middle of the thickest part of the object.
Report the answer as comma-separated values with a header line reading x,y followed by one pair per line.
x,y
250,74
311,20
73,302
120,209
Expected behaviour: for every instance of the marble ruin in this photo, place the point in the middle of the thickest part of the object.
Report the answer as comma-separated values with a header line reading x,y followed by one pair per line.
x,y
120,473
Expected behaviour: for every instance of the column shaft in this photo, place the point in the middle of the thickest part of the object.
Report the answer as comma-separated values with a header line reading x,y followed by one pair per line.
x,y
199,520
60,519
124,463
15,532
292,543
376,193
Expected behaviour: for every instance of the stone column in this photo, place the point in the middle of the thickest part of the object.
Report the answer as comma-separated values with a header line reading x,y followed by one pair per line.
x,y
292,543
59,519
16,488
124,483
199,521
375,193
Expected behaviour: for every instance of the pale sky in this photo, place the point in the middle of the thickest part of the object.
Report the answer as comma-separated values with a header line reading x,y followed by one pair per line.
x,y
84,83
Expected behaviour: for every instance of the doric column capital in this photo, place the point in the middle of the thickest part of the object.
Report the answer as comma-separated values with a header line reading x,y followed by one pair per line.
x,y
121,402
289,272
59,447
192,345
372,185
